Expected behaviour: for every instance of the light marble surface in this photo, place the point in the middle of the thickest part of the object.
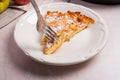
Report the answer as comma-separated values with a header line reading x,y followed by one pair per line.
x,y
14,65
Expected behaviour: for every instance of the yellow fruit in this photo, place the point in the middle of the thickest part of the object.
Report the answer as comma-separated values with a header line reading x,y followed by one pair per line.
x,y
3,5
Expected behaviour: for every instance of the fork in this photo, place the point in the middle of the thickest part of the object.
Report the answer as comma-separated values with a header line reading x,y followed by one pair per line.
x,y
41,26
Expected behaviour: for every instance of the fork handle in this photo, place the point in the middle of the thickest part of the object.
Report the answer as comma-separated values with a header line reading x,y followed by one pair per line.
x,y
36,7
40,18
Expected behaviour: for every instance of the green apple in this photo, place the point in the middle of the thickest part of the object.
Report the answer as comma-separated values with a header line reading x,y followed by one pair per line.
x,y
3,5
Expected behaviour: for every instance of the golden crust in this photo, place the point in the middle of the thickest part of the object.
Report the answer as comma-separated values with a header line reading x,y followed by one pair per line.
x,y
71,23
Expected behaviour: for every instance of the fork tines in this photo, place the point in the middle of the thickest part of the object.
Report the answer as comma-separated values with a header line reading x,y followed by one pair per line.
x,y
49,34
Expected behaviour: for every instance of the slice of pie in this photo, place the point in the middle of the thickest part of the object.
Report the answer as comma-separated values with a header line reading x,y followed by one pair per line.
x,y
66,25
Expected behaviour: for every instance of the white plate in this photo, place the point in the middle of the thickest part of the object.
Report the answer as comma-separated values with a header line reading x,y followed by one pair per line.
x,y
81,47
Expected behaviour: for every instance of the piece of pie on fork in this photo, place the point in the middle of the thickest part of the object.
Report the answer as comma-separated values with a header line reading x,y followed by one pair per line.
x,y
66,25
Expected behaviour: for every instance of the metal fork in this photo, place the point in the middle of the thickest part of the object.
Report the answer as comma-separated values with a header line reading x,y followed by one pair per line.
x,y
41,26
